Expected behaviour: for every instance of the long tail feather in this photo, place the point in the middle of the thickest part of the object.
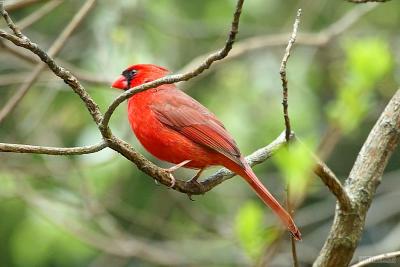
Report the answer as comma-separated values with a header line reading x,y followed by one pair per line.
x,y
248,174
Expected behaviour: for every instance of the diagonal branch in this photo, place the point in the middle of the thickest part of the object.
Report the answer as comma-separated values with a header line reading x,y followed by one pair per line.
x,y
222,53
20,4
112,141
332,182
38,14
54,49
318,39
242,47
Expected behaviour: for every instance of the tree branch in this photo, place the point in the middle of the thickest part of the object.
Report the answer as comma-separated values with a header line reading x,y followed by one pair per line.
x,y
222,53
19,148
332,182
38,14
366,1
20,4
242,47
112,141
361,185
320,39
54,49
390,257
282,72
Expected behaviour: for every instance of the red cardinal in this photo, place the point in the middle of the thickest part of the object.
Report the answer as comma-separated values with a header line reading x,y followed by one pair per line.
x,y
176,128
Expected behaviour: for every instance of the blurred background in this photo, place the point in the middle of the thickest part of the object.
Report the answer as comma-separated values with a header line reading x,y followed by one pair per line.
x,y
99,210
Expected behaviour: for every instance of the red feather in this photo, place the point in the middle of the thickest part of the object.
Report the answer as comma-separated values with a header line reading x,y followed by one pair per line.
x,y
188,117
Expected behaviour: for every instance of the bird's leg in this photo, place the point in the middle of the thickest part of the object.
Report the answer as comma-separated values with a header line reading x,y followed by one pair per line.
x,y
194,181
174,168
194,178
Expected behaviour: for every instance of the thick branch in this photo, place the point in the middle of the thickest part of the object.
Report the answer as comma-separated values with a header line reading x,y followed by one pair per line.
x,y
19,148
361,185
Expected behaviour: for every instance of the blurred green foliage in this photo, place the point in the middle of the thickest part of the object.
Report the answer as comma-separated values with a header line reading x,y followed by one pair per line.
x,y
368,60
78,210
250,229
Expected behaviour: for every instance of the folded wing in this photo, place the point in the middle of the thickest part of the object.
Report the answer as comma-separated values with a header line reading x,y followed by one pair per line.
x,y
188,117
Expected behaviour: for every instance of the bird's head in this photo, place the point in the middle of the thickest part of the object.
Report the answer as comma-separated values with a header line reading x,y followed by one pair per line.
x,y
139,74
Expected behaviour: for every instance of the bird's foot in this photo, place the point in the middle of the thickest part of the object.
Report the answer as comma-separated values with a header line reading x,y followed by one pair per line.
x,y
173,180
174,168
193,181
171,177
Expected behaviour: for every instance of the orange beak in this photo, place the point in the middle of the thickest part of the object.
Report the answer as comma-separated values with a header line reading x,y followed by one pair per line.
x,y
120,83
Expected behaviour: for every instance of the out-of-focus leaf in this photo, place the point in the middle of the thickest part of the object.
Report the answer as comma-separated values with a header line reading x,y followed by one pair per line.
x,y
32,241
7,184
295,163
37,243
367,61
250,229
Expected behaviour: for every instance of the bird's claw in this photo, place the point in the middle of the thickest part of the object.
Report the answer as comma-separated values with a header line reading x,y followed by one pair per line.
x,y
173,181
190,196
194,182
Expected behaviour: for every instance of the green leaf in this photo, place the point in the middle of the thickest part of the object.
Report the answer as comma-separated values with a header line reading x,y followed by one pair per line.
x,y
295,163
250,229
367,61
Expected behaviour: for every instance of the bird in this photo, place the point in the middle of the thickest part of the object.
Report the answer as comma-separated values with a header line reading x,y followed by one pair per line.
x,y
176,128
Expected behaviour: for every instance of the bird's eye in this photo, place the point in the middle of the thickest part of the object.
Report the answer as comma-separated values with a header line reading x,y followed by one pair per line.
x,y
129,74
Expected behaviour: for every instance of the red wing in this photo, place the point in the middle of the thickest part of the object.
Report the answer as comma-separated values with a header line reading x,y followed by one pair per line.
x,y
188,117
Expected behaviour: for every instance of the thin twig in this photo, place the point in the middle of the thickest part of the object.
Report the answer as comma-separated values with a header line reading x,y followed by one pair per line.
x,y
242,47
19,148
288,129
54,49
20,4
119,145
390,257
9,22
222,53
282,72
38,14
366,1
292,240
319,39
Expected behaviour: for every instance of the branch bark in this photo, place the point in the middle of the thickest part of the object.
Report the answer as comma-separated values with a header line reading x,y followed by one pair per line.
x,y
20,148
366,1
112,141
361,185
53,51
390,257
282,72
